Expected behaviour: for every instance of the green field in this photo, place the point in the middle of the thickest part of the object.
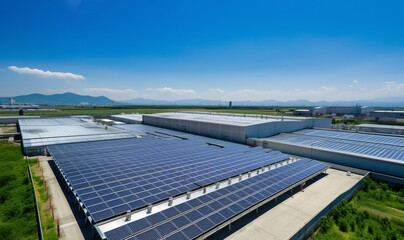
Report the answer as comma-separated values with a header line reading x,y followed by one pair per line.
x,y
17,204
375,212
66,110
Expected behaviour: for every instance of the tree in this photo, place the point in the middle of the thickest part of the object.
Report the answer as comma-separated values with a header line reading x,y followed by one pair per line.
x,y
21,112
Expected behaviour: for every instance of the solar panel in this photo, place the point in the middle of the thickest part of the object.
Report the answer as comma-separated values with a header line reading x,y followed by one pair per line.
x,y
193,222
128,174
370,146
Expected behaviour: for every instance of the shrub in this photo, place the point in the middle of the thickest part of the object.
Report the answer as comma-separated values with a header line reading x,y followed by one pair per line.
x,y
343,225
325,224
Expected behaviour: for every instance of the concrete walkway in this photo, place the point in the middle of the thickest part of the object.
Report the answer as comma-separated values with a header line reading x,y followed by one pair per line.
x,y
288,217
69,228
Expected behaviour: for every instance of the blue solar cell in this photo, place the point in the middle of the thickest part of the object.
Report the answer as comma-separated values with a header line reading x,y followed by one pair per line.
x,y
97,207
115,202
183,207
93,201
118,233
121,209
205,224
138,225
137,204
151,199
129,198
156,218
177,236
102,215
192,231
150,234
194,202
180,221
227,213
217,218
245,204
170,212
205,210
165,228
143,194
194,215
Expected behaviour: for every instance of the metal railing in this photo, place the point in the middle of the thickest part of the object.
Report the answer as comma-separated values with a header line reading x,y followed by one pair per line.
x,y
40,233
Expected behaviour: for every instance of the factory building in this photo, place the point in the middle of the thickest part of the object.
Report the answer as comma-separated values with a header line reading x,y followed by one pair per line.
x,y
232,127
12,105
387,116
381,128
335,110
128,118
373,152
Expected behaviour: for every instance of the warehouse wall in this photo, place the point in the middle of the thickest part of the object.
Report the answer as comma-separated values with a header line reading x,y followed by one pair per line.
x,y
236,133
219,131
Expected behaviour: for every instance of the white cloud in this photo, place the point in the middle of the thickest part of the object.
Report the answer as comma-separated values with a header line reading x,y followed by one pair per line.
x,y
217,90
43,73
171,90
328,89
354,83
109,90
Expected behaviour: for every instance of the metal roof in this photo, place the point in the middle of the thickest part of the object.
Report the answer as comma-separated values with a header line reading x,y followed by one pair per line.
x,y
234,120
379,147
388,111
381,126
44,132
136,117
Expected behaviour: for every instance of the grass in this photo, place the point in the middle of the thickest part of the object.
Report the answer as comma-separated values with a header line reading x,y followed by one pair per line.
x,y
68,110
375,212
17,204
47,221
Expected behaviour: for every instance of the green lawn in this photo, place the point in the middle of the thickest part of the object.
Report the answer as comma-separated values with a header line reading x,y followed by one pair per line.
x,y
382,218
17,204
66,110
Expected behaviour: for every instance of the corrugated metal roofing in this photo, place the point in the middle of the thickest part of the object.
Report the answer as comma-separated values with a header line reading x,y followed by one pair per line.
x,y
44,132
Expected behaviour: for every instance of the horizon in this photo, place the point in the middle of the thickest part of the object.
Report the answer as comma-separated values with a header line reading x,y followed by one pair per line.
x,y
263,50
381,102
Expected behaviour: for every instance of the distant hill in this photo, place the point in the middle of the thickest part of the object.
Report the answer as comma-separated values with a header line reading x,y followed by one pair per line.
x,y
75,99
60,99
386,102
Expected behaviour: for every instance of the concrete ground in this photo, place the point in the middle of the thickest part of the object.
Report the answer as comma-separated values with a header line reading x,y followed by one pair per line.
x,y
69,227
283,220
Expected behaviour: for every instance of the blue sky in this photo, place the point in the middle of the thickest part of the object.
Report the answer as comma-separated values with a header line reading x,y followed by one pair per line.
x,y
227,50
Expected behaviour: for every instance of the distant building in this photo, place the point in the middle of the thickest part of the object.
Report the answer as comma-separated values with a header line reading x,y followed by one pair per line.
x,y
302,112
387,116
348,116
335,110
12,105
319,111
381,128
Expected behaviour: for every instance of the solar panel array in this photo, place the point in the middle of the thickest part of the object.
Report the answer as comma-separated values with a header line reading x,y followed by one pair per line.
x,y
197,216
366,146
362,137
112,177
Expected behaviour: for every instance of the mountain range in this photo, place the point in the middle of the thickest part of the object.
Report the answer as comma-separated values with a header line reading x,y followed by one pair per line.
x,y
75,99
60,99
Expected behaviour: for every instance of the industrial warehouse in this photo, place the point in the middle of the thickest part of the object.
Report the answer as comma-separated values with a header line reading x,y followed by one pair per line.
x,y
198,175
